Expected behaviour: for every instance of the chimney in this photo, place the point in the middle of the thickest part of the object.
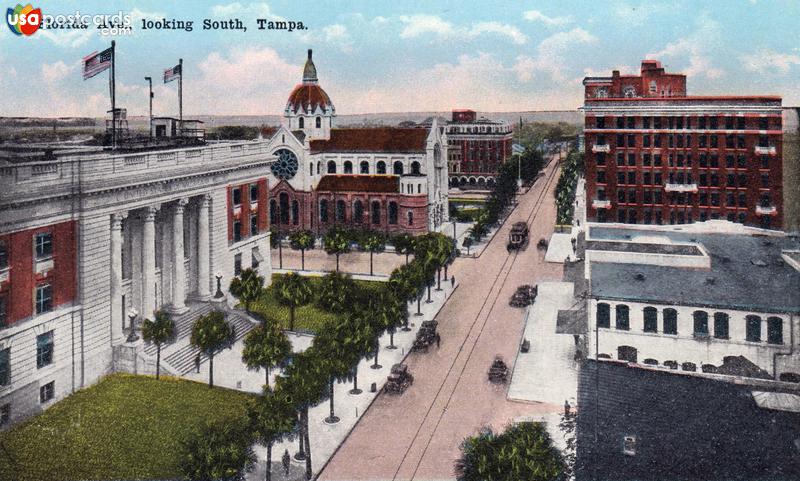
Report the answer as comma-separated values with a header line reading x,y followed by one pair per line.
x,y
309,54
615,73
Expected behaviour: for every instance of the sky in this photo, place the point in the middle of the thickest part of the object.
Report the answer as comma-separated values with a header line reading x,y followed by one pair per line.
x,y
402,55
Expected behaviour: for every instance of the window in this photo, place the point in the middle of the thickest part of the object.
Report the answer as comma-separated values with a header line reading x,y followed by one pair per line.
x,y
689,366
753,328
392,213
381,167
283,203
340,211
775,330
3,256
629,444
720,325
397,168
358,212
237,230
3,311
376,212
627,353
5,414
650,319
700,323
670,321
237,264
273,212
301,122
323,210
47,392
253,193
601,176
255,258
44,298
253,224
319,122
236,196
363,167
5,366
331,167
415,168
44,350
410,218
623,317
603,315
348,167
44,245
295,212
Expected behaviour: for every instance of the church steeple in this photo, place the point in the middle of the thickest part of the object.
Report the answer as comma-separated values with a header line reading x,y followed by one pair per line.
x,y
310,71
309,108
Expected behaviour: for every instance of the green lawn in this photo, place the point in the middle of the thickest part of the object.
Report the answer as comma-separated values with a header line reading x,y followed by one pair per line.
x,y
307,318
125,427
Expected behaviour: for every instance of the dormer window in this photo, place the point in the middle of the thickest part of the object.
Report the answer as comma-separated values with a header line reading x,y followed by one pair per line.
x,y
629,92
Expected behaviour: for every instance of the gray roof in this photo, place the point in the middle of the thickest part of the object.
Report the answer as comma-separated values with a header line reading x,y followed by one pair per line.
x,y
747,273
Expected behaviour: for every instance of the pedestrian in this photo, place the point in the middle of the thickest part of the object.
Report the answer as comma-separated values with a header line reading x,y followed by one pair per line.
x,y
197,363
438,340
285,461
452,282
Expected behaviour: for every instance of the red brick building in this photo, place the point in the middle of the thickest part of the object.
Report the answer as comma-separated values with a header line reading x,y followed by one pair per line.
x,y
477,148
655,155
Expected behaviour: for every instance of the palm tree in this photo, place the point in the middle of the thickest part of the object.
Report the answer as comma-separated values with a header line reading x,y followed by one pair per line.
x,y
212,333
276,240
403,245
302,240
387,314
333,345
305,381
264,347
292,290
248,287
467,242
335,292
360,343
374,242
271,417
222,451
444,250
159,332
336,242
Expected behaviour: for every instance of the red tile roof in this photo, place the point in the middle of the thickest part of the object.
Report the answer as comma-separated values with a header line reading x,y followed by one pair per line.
x,y
359,183
268,132
306,97
380,140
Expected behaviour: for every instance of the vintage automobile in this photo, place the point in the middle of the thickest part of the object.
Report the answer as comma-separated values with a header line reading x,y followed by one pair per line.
x,y
498,372
518,237
524,296
425,336
399,379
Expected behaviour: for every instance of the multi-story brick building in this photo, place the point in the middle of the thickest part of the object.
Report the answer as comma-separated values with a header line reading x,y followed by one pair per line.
x,y
655,155
477,148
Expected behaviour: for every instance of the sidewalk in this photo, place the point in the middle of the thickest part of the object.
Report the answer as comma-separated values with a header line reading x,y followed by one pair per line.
x,y
358,277
533,376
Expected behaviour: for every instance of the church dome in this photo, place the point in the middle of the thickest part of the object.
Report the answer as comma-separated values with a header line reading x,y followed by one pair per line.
x,y
308,96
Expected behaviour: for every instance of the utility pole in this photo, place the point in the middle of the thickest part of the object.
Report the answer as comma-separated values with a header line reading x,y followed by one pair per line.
x,y
113,98
180,96
150,129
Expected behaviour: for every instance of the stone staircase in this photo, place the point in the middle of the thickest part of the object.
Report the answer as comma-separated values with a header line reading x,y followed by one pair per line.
x,y
183,325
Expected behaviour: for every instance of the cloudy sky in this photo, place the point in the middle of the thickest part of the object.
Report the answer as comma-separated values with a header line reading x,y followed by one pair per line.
x,y
402,55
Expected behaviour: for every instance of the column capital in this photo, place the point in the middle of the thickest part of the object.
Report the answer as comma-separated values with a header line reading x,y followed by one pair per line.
x,y
205,199
179,205
150,212
117,218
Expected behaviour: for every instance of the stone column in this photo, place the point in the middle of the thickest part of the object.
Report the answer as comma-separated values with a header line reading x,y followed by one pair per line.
x,y
117,309
178,264
203,264
148,264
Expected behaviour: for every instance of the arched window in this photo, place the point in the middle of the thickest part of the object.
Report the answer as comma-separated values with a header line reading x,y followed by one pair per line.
x,y
720,325
375,210
363,167
650,319
295,212
301,122
700,323
627,353
340,211
410,218
319,122
775,330
670,321
331,167
273,212
348,167
397,169
311,168
623,317
381,167
753,328
689,366
283,201
393,213
358,212
323,210
415,168
319,167
603,315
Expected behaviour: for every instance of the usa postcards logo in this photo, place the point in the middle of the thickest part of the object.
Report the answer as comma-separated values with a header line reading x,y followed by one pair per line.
x,y
24,20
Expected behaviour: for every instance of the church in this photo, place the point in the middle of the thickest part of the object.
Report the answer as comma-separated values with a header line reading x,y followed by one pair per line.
x,y
388,179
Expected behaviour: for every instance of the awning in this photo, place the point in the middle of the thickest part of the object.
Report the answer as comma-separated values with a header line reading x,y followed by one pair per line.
x,y
778,401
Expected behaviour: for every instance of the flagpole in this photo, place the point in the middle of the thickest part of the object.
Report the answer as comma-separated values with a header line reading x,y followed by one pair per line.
x,y
180,95
113,99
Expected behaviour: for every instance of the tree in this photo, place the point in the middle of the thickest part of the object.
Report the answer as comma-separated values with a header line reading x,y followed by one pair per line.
x,y
305,381
276,241
248,287
292,290
212,333
523,451
403,245
336,242
387,313
159,332
219,452
335,350
264,347
335,292
271,417
374,242
302,240
467,242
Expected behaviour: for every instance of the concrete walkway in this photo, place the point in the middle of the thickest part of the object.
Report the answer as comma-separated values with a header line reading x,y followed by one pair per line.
x,y
358,277
548,372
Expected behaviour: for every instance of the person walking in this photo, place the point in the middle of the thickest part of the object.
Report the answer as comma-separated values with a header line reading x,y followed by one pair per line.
x,y
452,282
286,460
438,340
197,363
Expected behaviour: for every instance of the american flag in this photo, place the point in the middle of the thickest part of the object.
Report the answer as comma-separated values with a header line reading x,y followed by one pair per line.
x,y
95,63
171,74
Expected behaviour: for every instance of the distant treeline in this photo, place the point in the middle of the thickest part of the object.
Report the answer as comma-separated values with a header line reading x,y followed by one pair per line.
x,y
45,122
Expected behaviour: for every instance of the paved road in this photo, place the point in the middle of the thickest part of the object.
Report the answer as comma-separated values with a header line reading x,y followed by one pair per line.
x,y
417,435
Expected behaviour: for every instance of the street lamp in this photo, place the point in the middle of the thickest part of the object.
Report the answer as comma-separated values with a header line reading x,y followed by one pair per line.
x,y
150,130
219,294
132,337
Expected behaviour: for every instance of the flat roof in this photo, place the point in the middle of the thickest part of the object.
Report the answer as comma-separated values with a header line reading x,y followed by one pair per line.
x,y
644,248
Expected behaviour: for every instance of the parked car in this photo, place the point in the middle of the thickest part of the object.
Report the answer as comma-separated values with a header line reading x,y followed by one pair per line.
x,y
524,296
